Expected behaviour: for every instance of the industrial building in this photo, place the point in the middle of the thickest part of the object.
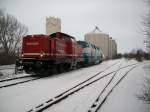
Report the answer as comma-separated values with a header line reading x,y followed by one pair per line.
x,y
103,41
53,25
114,48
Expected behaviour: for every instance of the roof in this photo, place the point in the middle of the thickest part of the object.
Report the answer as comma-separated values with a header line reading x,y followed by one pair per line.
x,y
62,34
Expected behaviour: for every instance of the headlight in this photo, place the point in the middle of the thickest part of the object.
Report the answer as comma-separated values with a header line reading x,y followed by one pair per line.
x,y
22,55
41,55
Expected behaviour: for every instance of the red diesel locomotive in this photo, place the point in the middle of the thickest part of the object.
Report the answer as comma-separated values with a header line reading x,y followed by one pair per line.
x,y
45,54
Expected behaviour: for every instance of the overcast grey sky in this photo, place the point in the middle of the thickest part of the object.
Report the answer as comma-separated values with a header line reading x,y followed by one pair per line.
x,y
121,19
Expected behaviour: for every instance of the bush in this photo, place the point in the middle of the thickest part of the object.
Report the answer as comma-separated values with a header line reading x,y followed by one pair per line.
x,y
145,96
6,60
146,56
117,56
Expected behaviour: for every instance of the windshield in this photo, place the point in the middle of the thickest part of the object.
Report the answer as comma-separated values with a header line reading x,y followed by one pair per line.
x,y
83,44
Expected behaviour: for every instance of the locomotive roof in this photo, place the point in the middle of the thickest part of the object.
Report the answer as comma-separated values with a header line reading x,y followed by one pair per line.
x,y
35,35
62,34
85,43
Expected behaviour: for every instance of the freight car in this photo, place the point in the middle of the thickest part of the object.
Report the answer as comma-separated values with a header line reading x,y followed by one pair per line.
x,y
91,53
44,54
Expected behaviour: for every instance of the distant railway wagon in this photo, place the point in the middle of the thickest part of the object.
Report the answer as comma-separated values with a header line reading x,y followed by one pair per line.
x,y
55,52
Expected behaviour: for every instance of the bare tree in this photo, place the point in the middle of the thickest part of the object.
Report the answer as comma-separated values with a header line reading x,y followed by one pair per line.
x,y
147,25
11,32
145,95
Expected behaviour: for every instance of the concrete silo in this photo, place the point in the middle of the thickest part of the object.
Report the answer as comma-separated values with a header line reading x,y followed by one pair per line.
x,y
114,48
103,41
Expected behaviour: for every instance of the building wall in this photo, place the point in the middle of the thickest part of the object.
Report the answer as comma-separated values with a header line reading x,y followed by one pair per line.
x,y
103,41
53,25
114,48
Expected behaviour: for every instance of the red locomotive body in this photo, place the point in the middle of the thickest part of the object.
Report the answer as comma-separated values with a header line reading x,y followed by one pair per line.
x,y
57,51
35,47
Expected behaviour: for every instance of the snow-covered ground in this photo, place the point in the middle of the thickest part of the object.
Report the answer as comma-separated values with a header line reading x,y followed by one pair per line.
x,y
7,71
124,97
23,97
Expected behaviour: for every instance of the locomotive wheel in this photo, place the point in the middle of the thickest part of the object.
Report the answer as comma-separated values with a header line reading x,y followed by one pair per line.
x,y
78,66
54,70
43,72
61,68
66,67
28,70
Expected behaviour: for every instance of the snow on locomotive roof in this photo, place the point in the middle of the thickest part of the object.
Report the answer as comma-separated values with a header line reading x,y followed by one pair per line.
x,y
62,34
52,35
35,35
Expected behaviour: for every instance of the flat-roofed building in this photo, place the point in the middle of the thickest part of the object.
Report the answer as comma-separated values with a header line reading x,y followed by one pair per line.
x,y
114,48
53,25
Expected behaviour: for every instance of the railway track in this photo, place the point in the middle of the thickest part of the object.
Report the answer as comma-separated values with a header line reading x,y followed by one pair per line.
x,y
14,78
3,82
74,89
100,100
16,81
7,82
4,68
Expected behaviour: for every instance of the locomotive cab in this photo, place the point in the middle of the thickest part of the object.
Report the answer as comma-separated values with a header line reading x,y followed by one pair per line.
x,y
35,47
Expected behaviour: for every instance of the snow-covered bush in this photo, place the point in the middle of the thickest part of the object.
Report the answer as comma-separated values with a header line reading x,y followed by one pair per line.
x,y
145,92
145,96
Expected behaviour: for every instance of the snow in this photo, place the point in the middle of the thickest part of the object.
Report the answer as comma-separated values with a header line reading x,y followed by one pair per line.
x,y
16,81
82,100
8,71
10,74
28,95
124,97
7,66
23,97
